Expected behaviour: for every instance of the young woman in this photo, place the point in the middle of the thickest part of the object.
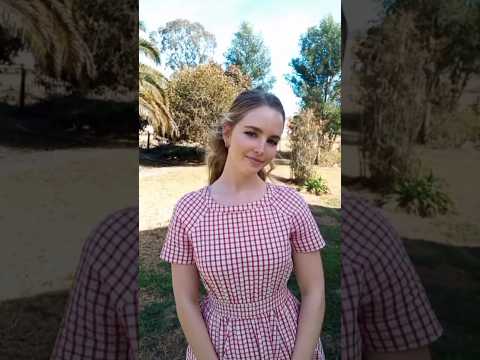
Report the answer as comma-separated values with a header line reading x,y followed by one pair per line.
x,y
242,237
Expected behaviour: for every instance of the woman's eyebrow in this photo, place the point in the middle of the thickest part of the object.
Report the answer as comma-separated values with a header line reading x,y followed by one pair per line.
x,y
260,131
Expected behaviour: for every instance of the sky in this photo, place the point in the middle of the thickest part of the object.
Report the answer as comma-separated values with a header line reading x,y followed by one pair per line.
x,y
280,22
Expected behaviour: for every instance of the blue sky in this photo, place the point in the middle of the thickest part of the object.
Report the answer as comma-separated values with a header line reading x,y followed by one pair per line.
x,y
280,22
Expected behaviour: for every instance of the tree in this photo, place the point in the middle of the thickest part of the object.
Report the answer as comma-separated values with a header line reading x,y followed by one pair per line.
x,y
448,34
109,29
198,96
249,53
316,73
316,79
11,45
51,33
241,80
390,59
153,102
185,44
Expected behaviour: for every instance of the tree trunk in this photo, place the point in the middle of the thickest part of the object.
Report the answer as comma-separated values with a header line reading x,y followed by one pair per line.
x,y
425,128
23,75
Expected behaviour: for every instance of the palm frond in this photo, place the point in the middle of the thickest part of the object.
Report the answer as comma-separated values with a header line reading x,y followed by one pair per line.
x,y
49,29
150,50
153,107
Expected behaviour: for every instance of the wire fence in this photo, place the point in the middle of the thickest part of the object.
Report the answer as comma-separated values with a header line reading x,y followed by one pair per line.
x,y
20,86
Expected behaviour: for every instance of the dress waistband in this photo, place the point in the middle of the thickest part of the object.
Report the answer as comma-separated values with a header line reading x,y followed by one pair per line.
x,y
252,309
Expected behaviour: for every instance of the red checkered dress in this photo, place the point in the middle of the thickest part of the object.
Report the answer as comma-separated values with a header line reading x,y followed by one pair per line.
x,y
101,321
384,305
244,257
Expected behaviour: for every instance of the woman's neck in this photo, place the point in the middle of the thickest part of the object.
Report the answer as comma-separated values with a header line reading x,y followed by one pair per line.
x,y
234,183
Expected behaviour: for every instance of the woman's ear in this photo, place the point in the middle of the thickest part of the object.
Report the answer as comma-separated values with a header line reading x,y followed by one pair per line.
x,y
227,132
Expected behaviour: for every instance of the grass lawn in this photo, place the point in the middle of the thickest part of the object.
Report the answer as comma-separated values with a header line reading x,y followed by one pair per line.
x,y
451,277
160,332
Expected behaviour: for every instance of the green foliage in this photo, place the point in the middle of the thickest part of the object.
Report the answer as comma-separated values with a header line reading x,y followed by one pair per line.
x,y
198,96
391,104
52,33
249,53
330,126
149,49
447,33
152,100
316,79
316,73
317,186
110,32
423,196
185,44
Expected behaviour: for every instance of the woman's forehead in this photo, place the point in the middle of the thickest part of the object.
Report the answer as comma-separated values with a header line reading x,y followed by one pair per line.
x,y
264,118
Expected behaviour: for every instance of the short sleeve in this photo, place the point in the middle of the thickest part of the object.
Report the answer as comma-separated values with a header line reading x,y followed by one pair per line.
x,y
93,326
177,247
305,235
396,311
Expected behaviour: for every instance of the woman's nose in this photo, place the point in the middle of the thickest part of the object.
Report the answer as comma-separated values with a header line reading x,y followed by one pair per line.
x,y
260,148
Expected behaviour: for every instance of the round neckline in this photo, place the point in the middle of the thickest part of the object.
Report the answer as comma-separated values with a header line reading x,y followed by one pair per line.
x,y
216,205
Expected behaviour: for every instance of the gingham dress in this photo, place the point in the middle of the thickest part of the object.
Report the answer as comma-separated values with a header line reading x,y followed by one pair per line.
x,y
384,305
244,257
101,319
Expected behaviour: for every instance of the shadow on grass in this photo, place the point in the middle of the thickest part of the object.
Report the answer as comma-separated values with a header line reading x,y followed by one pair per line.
x,y
451,277
69,122
172,155
30,325
160,331
165,155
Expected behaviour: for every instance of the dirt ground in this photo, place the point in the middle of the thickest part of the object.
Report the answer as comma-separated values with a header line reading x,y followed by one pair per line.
x,y
49,196
161,187
460,171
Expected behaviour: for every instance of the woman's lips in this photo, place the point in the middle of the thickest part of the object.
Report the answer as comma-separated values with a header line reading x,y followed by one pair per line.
x,y
255,160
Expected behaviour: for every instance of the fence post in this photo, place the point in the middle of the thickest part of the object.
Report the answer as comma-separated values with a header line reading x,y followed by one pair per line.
x,y
22,86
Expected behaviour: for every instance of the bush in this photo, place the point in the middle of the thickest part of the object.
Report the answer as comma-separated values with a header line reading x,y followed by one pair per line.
x,y
198,96
330,158
423,196
317,186
303,140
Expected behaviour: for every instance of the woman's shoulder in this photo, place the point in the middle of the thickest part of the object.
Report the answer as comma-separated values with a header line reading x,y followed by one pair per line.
x,y
287,199
191,200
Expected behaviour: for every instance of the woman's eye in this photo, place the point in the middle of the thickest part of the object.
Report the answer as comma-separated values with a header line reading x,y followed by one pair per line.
x,y
253,134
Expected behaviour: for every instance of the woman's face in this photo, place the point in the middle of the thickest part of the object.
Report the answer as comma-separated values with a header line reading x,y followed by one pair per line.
x,y
253,140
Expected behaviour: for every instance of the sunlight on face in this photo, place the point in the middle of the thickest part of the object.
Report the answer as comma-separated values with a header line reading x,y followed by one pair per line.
x,y
254,139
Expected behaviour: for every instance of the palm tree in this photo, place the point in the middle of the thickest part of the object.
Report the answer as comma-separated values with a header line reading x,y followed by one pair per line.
x,y
153,102
49,29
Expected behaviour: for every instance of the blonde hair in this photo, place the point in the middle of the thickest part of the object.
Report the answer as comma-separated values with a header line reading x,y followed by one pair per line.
x,y
243,103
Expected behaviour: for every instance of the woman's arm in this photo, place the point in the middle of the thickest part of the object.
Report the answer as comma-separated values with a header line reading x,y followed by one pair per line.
x,y
186,284
309,275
